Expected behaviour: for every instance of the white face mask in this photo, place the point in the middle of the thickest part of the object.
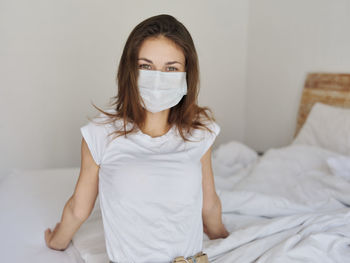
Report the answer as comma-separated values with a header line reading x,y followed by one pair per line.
x,y
161,90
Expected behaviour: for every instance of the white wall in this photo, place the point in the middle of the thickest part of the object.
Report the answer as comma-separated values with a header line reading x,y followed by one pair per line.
x,y
286,40
57,56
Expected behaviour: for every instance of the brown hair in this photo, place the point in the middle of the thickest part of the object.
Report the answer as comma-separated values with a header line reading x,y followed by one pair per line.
x,y
186,115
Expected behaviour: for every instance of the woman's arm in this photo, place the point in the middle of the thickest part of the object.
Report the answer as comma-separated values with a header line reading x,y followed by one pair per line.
x,y
61,236
212,221
79,207
211,212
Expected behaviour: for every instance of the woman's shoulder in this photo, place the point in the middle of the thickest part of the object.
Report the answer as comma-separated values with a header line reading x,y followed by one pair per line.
x,y
213,126
108,122
202,139
103,126
203,132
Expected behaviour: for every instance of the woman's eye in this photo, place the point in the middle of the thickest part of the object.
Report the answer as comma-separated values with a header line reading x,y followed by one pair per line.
x,y
145,66
172,69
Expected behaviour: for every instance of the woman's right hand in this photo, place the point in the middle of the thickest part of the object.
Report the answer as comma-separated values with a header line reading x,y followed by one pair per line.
x,y
48,238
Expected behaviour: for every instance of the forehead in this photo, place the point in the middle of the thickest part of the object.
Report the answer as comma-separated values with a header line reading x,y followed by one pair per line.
x,y
161,49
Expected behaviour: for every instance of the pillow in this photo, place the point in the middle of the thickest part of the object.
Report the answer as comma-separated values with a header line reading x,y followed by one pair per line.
x,y
340,166
326,127
233,155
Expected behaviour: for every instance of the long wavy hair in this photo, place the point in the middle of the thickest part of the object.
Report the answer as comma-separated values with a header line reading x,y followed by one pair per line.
x,y
186,115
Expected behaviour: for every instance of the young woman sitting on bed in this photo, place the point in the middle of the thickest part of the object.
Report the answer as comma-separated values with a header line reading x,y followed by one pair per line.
x,y
155,183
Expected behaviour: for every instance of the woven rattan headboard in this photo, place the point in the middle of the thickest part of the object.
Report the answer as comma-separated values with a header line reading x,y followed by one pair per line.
x,y
328,88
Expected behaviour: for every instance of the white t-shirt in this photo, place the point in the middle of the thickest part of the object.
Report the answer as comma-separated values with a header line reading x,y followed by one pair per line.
x,y
150,191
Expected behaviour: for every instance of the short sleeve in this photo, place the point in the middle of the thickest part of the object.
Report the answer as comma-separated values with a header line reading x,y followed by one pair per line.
x,y
95,136
209,137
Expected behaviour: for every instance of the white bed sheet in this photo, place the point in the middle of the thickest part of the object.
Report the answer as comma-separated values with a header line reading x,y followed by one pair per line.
x,y
30,202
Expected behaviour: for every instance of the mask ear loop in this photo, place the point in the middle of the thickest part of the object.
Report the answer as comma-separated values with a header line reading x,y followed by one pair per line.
x,y
185,88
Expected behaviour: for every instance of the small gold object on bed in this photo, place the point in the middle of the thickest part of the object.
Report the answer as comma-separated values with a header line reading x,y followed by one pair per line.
x,y
328,88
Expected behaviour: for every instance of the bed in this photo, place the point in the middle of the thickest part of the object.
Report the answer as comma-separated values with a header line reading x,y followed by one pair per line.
x,y
292,204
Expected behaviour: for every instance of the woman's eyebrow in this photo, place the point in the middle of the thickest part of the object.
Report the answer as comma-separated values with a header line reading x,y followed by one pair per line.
x,y
168,63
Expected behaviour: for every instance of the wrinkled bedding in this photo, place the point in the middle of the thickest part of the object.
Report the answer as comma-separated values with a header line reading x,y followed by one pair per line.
x,y
304,210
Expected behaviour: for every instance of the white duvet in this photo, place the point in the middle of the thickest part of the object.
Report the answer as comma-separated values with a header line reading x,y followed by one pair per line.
x,y
286,206
304,210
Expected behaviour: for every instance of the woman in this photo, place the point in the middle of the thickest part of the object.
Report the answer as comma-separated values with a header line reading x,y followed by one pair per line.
x,y
155,183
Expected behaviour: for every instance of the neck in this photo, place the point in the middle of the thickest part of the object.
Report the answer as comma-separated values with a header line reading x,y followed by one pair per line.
x,y
156,124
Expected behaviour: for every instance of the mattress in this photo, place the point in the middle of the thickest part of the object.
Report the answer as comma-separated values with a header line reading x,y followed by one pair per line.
x,y
30,202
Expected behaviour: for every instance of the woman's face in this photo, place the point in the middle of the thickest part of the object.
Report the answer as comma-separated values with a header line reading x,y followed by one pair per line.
x,y
161,54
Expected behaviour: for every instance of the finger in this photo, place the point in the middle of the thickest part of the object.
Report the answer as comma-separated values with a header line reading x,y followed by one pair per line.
x,y
47,232
46,238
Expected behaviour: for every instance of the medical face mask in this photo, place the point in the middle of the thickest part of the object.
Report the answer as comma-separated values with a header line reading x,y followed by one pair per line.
x,y
161,90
